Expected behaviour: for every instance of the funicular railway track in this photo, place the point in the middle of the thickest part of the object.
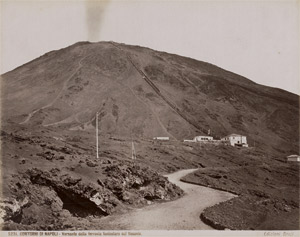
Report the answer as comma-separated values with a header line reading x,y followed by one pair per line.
x,y
157,90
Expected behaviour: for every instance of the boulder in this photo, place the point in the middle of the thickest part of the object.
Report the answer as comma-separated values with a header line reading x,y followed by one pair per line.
x,y
91,163
11,208
69,181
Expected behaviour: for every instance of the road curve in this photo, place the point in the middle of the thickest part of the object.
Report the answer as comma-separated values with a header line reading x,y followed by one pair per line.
x,y
181,214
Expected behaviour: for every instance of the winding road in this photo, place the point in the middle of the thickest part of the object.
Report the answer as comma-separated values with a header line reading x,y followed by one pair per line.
x,y
181,214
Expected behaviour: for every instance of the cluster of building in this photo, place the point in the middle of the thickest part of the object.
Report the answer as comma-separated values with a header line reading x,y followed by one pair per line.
x,y
232,139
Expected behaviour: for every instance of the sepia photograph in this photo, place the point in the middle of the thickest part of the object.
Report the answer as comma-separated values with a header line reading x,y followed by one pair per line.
x,y
137,118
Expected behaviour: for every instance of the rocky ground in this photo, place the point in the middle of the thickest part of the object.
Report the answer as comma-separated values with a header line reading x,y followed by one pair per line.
x,y
180,214
59,195
268,196
52,180
46,184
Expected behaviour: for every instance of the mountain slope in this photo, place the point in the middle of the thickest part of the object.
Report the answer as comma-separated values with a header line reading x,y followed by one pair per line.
x,y
48,154
144,93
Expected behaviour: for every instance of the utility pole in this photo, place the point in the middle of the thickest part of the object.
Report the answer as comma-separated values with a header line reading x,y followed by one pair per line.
x,y
97,139
133,154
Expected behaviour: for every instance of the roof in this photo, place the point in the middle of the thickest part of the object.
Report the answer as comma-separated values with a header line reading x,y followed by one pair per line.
x,y
293,156
235,135
204,136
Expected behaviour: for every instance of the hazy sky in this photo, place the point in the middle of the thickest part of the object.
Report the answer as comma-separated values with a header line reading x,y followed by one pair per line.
x,y
256,39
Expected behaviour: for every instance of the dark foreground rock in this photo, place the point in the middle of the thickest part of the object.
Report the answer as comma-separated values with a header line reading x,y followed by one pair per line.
x,y
53,169
259,214
261,205
48,199
136,184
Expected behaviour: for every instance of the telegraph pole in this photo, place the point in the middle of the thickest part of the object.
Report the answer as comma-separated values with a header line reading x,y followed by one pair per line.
x,y
97,139
133,154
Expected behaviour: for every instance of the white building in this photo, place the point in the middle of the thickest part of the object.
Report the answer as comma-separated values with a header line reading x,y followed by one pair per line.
x,y
236,140
161,138
293,158
186,140
203,138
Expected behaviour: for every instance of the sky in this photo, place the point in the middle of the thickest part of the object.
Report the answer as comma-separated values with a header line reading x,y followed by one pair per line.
x,y
256,39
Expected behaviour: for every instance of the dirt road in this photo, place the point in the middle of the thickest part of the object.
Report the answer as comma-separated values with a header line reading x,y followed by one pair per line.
x,y
181,214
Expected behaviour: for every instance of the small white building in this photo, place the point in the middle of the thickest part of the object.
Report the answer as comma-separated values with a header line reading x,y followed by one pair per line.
x,y
161,138
186,140
293,158
203,138
236,140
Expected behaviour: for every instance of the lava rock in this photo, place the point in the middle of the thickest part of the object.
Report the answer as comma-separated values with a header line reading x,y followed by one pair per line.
x,y
91,163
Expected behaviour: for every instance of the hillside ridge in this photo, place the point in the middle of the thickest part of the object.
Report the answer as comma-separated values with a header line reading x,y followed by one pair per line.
x,y
179,92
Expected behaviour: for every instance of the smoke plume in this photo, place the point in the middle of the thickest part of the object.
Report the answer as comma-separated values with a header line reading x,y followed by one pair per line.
x,y
94,16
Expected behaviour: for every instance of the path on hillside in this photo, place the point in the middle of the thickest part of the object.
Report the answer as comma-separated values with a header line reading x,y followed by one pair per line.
x,y
63,89
181,214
